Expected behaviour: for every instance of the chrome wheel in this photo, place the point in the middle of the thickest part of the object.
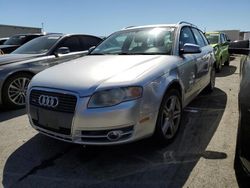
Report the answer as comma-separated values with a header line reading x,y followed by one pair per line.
x,y
17,90
170,116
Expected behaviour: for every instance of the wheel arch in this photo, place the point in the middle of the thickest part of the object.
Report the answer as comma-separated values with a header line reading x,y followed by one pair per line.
x,y
175,84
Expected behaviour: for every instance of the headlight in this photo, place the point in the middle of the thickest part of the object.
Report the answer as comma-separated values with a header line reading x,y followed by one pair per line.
x,y
114,96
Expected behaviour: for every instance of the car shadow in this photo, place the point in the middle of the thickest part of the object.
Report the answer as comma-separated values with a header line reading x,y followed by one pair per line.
x,y
6,114
241,177
226,71
43,161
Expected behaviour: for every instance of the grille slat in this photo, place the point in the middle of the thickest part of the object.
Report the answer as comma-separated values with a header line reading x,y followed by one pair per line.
x,y
67,102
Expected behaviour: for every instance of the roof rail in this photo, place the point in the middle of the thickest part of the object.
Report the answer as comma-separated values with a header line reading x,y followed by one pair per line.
x,y
129,27
183,22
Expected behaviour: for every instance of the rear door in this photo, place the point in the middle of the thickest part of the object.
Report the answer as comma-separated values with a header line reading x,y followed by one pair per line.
x,y
202,63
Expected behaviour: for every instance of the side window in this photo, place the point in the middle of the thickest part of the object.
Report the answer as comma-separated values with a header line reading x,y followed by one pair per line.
x,y
88,41
186,36
28,38
204,38
198,37
222,38
72,43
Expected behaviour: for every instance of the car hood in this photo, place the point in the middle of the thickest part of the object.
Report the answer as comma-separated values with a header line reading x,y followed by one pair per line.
x,y
86,74
13,58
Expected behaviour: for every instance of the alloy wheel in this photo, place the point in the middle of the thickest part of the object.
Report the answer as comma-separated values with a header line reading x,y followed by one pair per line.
x,y
170,117
17,90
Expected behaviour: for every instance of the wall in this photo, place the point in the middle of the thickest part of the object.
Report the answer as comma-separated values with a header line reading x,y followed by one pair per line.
x,y
8,30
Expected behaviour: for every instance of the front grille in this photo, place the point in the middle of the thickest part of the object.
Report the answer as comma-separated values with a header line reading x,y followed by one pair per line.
x,y
67,102
101,135
61,130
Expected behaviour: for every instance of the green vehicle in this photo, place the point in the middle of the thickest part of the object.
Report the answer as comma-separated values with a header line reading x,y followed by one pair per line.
x,y
220,42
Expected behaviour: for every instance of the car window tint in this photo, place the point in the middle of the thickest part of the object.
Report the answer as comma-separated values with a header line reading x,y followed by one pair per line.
x,y
198,37
88,42
204,38
222,38
72,43
186,36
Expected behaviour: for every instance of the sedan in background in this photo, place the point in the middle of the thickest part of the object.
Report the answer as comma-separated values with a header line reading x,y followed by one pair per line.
x,y
17,68
131,86
16,41
243,135
2,40
219,41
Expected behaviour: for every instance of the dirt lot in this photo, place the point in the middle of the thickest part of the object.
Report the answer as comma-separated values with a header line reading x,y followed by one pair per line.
x,y
202,154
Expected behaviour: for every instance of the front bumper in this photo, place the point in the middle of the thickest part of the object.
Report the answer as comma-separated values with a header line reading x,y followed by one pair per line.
x,y
94,126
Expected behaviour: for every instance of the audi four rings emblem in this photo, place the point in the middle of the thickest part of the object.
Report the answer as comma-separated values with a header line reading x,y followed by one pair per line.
x,y
48,101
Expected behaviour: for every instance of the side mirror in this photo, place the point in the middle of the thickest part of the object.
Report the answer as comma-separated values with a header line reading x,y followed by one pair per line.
x,y
91,49
190,49
239,47
62,50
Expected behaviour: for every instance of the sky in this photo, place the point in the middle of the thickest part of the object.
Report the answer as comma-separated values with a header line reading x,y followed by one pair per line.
x,y
106,16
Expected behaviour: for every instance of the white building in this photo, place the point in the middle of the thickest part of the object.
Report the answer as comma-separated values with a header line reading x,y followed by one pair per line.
x,y
9,30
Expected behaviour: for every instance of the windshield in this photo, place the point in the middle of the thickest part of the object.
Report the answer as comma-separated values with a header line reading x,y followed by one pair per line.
x,y
15,40
39,45
141,41
212,38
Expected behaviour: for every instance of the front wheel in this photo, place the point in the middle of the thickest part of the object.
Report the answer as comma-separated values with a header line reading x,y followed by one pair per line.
x,y
169,117
219,66
14,90
227,62
211,85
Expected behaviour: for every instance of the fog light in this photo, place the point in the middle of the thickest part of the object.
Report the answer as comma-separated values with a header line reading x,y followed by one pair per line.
x,y
114,135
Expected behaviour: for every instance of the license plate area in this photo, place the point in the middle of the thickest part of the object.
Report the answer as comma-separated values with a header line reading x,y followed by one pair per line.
x,y
58,122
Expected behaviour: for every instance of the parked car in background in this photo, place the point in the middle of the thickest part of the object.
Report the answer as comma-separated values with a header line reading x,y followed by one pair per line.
x,y
219,41
2,40
16,41
243,135
17,68
131,86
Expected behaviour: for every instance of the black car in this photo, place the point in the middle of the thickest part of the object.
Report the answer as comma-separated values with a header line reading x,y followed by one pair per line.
x,y
17,68
2,40
243,135
16,41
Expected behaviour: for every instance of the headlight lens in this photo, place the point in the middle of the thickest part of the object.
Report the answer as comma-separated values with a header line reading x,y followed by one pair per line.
x,y
114,96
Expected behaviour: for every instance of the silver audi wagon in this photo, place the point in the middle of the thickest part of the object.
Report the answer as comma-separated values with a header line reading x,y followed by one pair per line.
x,y
131,86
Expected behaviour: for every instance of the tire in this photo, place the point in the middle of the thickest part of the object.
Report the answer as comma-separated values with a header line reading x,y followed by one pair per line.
x,y
210,87
169,117
227,62
219,66
14,90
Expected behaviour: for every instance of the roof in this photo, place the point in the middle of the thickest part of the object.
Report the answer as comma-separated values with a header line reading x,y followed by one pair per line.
x,y
149,26
159,25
